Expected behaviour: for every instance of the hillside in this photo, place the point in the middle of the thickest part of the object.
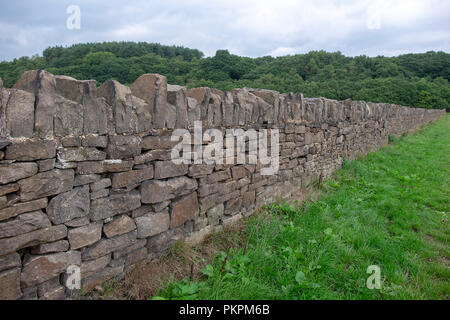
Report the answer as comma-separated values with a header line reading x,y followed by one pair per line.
x,y
418,80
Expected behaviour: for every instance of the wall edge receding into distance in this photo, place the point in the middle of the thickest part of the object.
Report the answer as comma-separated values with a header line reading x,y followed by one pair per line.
x,y
86,177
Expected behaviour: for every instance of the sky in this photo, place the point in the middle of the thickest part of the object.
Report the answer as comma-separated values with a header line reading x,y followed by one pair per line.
x,y
251,28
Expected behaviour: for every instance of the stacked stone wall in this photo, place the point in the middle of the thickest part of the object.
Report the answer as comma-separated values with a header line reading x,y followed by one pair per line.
x,y
87,177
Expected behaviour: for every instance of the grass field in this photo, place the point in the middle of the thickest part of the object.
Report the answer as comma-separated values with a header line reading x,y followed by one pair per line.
x,y
390,209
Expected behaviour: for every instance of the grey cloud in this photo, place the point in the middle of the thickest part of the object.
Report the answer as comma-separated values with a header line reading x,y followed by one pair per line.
x,y
251,28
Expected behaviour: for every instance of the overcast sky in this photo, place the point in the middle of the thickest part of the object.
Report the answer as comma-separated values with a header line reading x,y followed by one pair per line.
x,y
244,27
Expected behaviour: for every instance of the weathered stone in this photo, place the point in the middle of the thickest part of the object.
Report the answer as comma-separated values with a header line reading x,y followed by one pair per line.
x,y
154,191
101,184
215,214
68,119
46,184
216,176
16,171
125,251
199,170
131,178
100,277
248,199
184,210
47,287
157,207
75,223
135,257
98,115
68,142
90,167
115,204
119,226
158,143
152,224
105,246
123,147
69,205
39,269
177,96
9,188
4,143
24,223
10,284
118,165
85,179
32,239
238,172
10,261
100,194
160,243
95,141
57,246
168,169
163,155
58,293
81,154
90,267
120,99
85,236
30,150
152,88
144,209
3,201
46,165
42,84
20,114
19,208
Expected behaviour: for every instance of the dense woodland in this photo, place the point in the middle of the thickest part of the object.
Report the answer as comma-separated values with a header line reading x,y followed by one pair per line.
x,y
419,80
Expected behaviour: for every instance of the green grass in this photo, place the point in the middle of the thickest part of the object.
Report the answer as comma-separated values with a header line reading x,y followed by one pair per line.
x,y
389,209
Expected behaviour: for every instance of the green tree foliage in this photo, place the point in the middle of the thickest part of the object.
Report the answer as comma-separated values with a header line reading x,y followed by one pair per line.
x,y
418,80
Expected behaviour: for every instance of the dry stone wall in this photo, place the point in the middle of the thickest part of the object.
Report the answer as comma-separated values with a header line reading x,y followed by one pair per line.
x,y
86,176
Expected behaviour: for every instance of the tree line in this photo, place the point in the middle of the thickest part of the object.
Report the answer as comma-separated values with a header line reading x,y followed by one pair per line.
x,y
417,80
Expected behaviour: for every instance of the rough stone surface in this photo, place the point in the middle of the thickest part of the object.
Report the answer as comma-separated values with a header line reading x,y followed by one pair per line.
x,y
90,267
9,188
17,171
123,147
115,204
168,169
184,210
155,191
105,246
152,224
57,246
10,261
20,114
85,236
69,205
34,238
30,150
46,184
39,269
19,208
81,154
24,223
10,284
131,179
119,226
